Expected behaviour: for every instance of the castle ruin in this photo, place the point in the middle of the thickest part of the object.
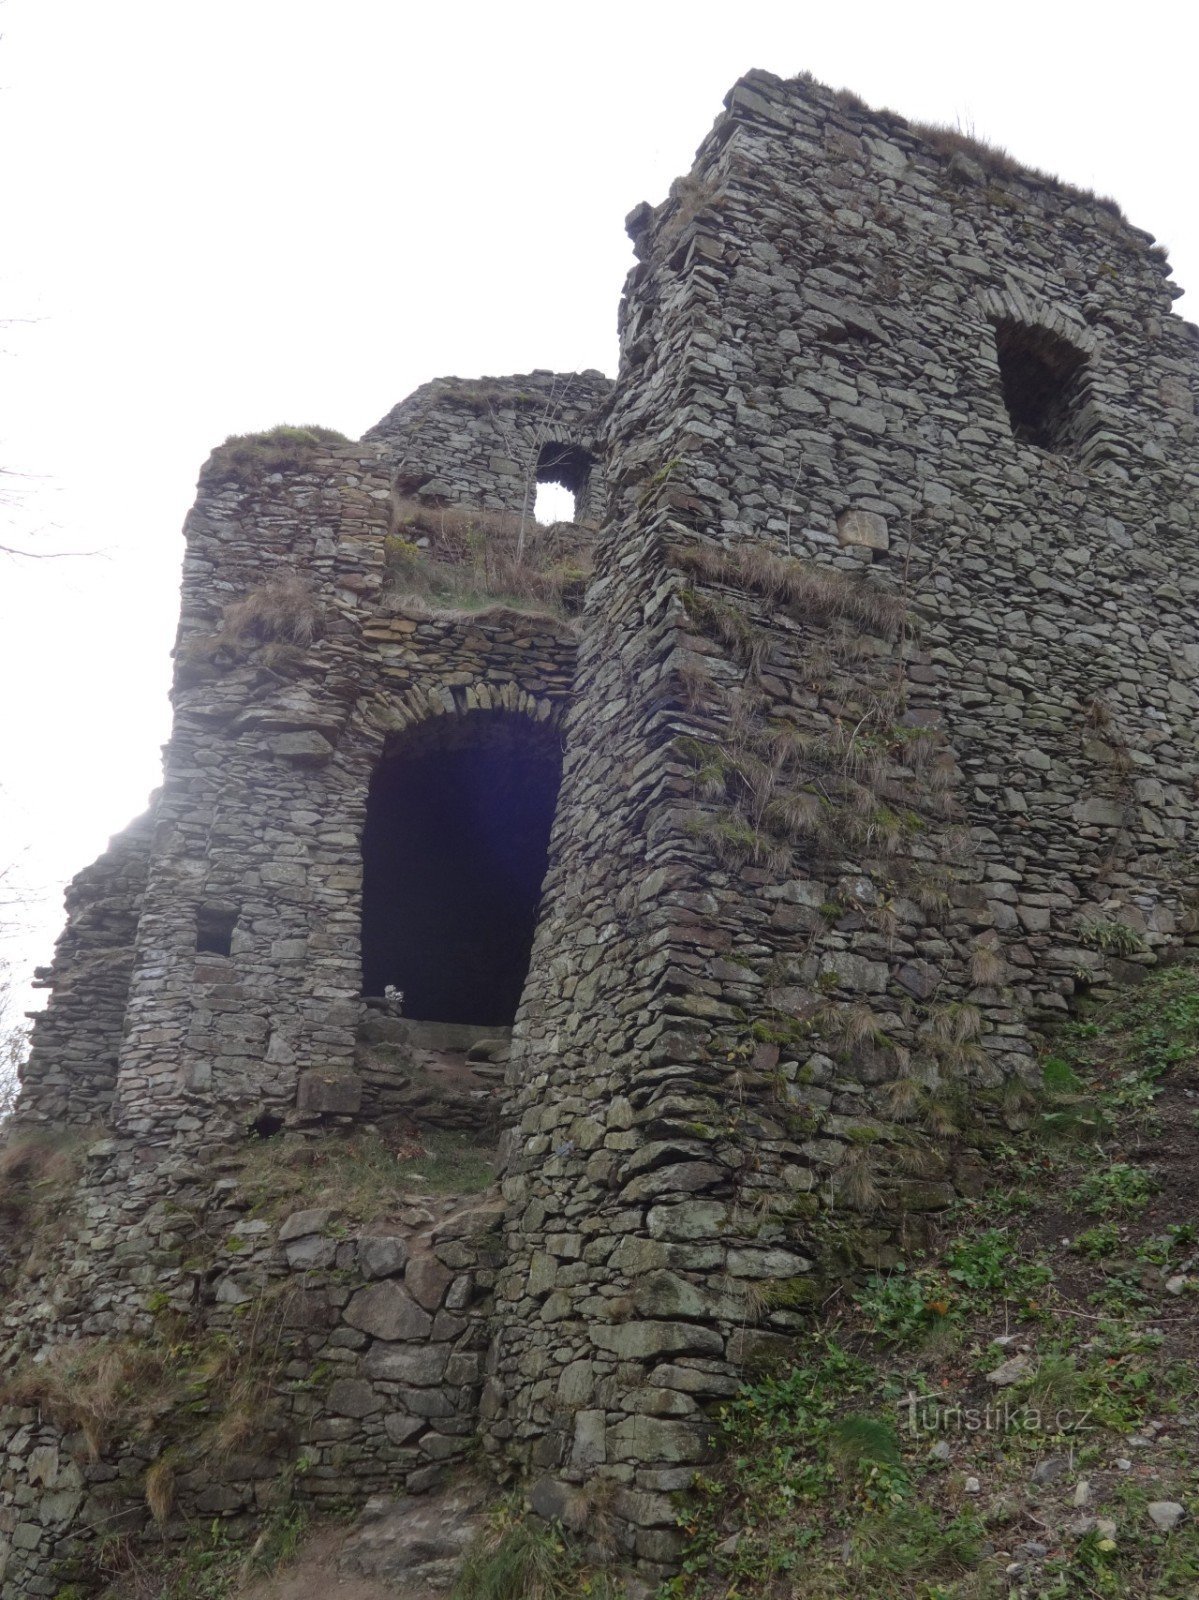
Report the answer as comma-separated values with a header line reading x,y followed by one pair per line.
x,y
847,733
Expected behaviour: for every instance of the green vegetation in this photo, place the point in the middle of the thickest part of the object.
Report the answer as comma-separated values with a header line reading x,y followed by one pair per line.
x,y
451,1164
882,1459
180,1389
1113,938
844,773
517,1559
248,459
361,1175
1122,1189
37,1171
210,1564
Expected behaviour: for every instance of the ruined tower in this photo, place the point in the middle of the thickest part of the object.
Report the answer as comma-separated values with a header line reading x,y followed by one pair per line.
x,y
873,741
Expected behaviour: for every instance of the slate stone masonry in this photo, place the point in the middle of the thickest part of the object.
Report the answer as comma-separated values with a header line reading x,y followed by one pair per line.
x,y
878,746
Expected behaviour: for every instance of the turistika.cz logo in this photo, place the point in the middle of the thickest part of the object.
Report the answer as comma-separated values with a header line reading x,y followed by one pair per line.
x,y
922,1413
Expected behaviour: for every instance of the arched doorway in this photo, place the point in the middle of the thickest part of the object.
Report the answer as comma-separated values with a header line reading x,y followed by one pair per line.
x,y
454,853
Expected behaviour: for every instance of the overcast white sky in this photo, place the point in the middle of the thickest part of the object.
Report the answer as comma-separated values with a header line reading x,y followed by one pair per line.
x,y
226,216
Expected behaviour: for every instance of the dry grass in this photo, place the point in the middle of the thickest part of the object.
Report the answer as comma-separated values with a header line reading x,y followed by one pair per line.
x,y
903,1098
34,1168
160,1488
460,557
929,890
988,969
993,158
811,591
94,1386
250,458
279,611
855,1183
842,775
730,626
949,140
850,1026
209,1393
957,1023
363,1175
689,197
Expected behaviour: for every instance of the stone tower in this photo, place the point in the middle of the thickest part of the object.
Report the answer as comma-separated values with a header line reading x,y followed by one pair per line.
x,y
875,737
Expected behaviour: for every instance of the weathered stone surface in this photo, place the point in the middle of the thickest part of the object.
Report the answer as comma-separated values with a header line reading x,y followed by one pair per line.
x,y
416,1544
863,528
352,1397
699,1219
1010,1371
1165,1514
386,1311
637,1340
383,1255
300,1224
880,737
658,1439
428,1282
329,1093
415,1364
311,1252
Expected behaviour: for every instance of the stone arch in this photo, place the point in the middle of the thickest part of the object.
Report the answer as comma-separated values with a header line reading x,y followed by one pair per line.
x,y
440,699
455,847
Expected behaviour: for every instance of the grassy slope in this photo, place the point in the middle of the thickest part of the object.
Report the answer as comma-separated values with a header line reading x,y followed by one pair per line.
x,y
1037,1488
881,1463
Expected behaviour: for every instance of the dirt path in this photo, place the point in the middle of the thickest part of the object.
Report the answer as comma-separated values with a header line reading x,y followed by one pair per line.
x,y
312,1575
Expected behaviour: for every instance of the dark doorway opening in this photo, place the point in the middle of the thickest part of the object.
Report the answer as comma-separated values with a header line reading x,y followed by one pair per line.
x,y
454,853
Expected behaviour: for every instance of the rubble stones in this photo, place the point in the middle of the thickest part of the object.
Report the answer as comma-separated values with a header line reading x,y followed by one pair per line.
x,y
1165,1514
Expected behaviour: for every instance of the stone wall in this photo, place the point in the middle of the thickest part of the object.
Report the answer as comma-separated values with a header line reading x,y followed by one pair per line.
x,y
490,441
879,746
370,1343
71,1071
266,784
883,746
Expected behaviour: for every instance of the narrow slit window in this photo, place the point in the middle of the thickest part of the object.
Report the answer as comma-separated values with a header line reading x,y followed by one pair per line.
x,y
1042,376
214,930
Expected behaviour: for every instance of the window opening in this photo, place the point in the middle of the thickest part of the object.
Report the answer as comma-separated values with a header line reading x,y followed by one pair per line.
x,y
562,473
214,930
1042,377
454,852
553,503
